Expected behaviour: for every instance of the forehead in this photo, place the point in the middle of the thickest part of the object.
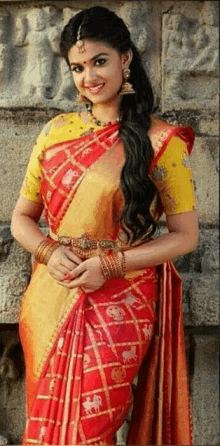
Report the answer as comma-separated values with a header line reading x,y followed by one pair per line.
x,y
91,49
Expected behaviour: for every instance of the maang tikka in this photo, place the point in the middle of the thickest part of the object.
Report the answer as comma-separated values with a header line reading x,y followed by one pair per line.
x,y
126,87
80,99
79,42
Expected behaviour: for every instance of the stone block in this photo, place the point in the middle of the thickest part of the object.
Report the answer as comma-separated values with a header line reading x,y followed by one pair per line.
x,y
205,257
204,299
190,59
205,170
17,140
209,126
205,391
199,271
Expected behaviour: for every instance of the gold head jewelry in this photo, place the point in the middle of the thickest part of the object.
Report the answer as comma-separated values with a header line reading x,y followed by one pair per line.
x,y
79,42
126,87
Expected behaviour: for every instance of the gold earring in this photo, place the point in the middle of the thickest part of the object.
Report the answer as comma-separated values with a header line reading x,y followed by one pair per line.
x,y
80,99
126,87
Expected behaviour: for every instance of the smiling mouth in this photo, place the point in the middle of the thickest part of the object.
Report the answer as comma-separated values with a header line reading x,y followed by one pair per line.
x,y
95,89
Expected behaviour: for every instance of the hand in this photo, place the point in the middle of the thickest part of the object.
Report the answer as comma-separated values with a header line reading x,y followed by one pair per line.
x,y
61,262
87,275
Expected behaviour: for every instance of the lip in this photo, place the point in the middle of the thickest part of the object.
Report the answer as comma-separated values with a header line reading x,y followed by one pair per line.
x,y
95,89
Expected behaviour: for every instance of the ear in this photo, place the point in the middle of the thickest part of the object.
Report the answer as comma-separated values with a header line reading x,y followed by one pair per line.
x,y
127,58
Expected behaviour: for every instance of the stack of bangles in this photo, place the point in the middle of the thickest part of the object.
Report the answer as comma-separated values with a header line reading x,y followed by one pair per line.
x,y
45,250
111,265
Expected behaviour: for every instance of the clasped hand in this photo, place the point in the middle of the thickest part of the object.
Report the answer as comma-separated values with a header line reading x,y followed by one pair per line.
x,y
70,271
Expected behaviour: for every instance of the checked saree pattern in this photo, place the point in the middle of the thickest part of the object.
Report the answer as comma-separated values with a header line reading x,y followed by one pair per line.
x,y
85,393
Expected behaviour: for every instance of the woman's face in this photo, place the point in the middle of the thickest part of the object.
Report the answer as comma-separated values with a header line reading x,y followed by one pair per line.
x,y
97,72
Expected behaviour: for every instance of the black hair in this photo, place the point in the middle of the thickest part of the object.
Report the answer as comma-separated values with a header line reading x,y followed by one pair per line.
x,y
100,24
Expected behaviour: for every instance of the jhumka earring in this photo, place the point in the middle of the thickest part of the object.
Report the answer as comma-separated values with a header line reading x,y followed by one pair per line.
x,y
79,41
126,87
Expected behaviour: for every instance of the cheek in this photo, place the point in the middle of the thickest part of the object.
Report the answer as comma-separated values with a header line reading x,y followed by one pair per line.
x,y
115,74
77,80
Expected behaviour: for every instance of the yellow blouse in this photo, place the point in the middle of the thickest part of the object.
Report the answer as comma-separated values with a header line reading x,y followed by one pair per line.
x,y
172,173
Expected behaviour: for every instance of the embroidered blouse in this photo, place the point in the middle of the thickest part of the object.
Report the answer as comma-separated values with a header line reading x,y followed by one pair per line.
x,y
170,171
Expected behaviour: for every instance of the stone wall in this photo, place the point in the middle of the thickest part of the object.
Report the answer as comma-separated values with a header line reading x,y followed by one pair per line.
x,y
178,41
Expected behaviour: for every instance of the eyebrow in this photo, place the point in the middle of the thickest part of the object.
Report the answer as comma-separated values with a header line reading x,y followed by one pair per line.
x,y
92,58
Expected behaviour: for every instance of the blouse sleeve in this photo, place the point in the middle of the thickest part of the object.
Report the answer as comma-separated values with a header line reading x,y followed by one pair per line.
x,y
32,181
172,176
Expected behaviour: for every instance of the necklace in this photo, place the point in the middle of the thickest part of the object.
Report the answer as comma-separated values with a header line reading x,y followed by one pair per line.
x,y
97,121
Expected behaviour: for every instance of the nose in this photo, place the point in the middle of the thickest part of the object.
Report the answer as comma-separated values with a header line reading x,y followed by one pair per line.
x,y
89,75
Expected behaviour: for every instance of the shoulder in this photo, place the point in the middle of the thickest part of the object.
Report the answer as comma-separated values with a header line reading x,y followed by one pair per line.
x,y
59,121
162,133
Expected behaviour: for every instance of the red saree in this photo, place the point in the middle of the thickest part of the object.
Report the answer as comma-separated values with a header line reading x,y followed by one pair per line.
x,y
82,351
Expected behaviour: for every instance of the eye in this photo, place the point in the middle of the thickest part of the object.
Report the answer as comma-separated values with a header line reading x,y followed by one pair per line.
x,y
100,62
76,69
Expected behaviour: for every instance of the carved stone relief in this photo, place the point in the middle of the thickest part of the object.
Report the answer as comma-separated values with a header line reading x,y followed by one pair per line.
x,y
190,61
39,76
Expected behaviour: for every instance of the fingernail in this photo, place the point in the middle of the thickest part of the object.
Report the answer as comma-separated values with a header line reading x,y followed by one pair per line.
x,y
68,276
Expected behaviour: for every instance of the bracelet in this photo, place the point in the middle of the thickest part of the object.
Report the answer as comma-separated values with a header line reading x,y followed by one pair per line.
x,y
111,266
45,249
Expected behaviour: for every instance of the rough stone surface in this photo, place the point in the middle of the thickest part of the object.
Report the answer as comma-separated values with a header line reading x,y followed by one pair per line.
x,y
205,391
205,171
204,299
15,268
16,144
12,401
208,245
201,299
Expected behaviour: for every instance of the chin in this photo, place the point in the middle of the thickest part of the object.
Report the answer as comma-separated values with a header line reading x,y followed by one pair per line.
x,y
104,100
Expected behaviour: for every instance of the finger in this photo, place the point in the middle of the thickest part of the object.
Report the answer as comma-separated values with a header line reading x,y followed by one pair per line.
x,y
74,283
59,269
78,270
64,270
68,276
57,275
71,256
69,264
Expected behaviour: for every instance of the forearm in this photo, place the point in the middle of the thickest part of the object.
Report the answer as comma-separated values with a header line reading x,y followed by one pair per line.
x,y
27,232
155,252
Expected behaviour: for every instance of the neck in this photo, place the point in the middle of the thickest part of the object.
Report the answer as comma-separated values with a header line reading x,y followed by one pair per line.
x,y
106,112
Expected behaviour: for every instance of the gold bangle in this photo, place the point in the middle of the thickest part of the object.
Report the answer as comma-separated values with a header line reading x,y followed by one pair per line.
x,y
106,271
118,266
115,266
112,266
123,264
45,249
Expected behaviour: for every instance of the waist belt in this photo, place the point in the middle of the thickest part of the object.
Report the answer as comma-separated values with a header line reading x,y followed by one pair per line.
x,y
86,247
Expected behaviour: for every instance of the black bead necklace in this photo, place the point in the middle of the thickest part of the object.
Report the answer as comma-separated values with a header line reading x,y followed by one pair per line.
x,y
97,121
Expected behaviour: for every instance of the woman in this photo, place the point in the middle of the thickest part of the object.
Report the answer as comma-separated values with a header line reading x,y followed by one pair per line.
x,y
103,288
